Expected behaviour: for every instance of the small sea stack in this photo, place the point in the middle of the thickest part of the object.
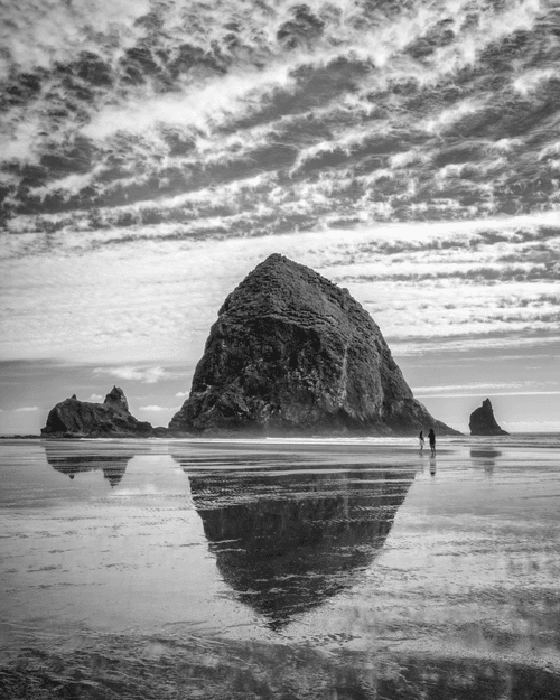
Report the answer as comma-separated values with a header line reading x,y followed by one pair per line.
x,y
292,353
112,418
483,422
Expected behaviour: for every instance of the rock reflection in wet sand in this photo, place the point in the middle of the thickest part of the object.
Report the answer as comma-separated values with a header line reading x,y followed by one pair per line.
x,y
113,467
285,543
485,457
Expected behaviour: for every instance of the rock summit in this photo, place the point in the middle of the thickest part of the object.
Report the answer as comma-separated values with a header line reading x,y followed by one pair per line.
x,y
292,353
483,422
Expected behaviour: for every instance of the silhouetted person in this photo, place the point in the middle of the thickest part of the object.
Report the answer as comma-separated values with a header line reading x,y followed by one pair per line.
x,y
421,441
432,439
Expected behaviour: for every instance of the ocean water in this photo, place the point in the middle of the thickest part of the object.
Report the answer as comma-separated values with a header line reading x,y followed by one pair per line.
x,y
355,568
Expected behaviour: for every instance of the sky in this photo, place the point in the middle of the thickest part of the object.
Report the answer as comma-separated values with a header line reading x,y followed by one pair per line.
x,y
153,153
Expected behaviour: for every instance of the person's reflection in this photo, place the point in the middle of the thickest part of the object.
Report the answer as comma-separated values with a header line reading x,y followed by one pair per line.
x,y
72,463
286,543
433,465
485,457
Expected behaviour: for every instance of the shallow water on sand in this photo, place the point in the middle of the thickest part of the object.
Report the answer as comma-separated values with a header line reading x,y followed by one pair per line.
x,y
280,569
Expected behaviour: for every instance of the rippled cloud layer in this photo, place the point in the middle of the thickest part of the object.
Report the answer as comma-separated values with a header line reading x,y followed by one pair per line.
x,y
248,118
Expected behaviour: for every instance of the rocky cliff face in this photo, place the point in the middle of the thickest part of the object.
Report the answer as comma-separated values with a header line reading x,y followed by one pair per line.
x,y
293,353
73,418
117,400
483,422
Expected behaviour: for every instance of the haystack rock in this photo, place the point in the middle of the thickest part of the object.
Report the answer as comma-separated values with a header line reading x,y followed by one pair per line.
x,y
292,353
482,421
73,418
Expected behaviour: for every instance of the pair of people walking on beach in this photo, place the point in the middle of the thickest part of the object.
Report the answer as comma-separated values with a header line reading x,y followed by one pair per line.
x,y
432,441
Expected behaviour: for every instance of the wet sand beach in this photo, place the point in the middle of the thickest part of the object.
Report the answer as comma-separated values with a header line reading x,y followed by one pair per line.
x,y
280,569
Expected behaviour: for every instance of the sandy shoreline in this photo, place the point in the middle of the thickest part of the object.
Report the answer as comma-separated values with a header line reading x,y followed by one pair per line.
x,y
361,561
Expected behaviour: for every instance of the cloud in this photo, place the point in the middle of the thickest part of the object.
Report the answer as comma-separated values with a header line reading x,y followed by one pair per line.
x,y
39,33
26,408
193,109
531,80
425,346
147,375
437,389
481,393
182,393
70,185
95,398
156,408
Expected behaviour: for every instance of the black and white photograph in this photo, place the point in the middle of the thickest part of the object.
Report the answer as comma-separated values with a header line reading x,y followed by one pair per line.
x,y
280,349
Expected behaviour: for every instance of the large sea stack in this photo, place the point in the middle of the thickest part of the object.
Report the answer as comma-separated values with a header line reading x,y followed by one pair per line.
x,y
292,353
74,418
483,422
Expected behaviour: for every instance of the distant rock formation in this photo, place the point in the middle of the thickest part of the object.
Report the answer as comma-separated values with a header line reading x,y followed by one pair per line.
x,y
292,353
73,418
482,421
